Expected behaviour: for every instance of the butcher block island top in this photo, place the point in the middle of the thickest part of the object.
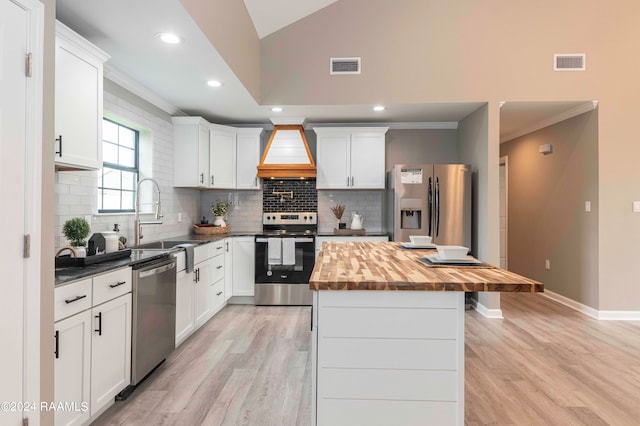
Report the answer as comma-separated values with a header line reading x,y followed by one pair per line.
x,y
387,266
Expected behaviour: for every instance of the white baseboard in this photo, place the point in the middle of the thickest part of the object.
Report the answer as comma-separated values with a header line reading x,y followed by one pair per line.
x,y
486,312
591,312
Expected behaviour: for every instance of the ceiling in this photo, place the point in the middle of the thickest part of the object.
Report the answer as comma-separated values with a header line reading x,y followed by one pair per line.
x,y
174,77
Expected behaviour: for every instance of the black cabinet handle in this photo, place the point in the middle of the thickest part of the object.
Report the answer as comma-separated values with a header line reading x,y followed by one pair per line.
x,y
219,248
57,350
201,177
118,284
75,299
99,330
218,293
219,267
212,180
59,139
227,244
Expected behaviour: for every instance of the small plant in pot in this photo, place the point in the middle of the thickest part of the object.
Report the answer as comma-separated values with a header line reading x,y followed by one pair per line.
x,y
219,210
77,230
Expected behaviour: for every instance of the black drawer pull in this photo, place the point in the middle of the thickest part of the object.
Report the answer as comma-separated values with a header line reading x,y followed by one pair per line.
x,y
118,284
57,351
218,293
59,139
99,330
75,299
219,267
219,248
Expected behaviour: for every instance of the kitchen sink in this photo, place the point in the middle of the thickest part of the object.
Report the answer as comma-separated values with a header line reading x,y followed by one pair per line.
x,y
164,244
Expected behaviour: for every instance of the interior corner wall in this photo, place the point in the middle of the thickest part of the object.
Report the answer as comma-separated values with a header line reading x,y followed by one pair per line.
x,y
478,146
546,207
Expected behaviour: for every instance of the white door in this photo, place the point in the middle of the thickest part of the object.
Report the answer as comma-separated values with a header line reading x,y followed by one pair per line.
x,y
222,160
367,161
72,368
110,350
13,86
333,162
244,249
184,305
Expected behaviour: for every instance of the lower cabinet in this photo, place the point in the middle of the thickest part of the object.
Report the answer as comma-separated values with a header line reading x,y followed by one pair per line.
x,y
184,305
244,253
228,268
92,344
201,304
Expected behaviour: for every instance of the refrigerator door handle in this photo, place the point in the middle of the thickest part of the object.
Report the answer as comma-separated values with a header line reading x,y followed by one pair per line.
x,y
437,206
430,204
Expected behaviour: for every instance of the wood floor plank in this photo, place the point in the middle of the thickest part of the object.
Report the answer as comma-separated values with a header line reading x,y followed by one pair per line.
x,y
542,364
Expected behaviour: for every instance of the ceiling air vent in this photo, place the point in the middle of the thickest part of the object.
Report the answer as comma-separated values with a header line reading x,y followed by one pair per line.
x,y
345,66
569,62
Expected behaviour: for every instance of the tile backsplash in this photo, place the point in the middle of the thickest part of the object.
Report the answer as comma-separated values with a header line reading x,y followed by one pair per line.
x,y
305,195
367,203
244,214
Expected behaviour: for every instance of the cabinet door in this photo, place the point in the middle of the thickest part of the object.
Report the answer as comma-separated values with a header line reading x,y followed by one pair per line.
x,y
216,296
78,108
201,303
190,152
243,266
333,161
367,161
228,268
72,367
203,156
247,158
222,159
184,305
110,350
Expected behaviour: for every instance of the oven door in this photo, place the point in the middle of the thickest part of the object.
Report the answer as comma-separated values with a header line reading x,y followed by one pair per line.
x,y
298,273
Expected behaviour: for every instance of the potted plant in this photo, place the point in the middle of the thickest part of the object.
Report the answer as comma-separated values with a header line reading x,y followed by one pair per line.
x,y
338,210
77,230
219,210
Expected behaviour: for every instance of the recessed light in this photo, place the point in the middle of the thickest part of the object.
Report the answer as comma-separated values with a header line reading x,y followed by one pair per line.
x,y
168,38
276,109
378,108
214,83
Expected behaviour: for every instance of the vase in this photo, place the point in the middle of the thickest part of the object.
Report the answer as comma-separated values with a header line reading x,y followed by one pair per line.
x,y
219,221
81,251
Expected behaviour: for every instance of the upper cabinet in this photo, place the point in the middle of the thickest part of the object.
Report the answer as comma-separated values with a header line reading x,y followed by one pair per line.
x,y
211,156
350,158
78,101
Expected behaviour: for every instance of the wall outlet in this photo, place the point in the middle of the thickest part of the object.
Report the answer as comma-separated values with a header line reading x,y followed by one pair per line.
x,y
179,217
636,206
547,264
587,206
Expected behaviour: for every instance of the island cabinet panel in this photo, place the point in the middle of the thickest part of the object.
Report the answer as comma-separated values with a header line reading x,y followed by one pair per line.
x,y
383,354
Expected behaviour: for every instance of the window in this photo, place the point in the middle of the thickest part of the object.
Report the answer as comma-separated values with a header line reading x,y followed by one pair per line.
x,y
119,175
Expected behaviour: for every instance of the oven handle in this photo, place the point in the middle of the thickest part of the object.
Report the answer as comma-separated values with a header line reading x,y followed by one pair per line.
x,y
297,240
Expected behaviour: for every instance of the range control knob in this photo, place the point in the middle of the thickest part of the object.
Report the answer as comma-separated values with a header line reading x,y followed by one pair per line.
x,y
305,218
268,217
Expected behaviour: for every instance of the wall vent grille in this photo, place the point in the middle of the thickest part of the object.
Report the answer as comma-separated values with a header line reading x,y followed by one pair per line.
x,y
344,66
569,62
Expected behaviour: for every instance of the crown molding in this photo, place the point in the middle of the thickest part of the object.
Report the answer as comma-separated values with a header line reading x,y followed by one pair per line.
x,y
424,125
565,115
138,89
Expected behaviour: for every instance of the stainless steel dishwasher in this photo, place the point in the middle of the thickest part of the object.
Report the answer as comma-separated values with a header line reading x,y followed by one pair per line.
x,y
154,315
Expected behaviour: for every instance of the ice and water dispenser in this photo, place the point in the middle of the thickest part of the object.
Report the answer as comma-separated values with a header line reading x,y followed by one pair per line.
x,y
410,213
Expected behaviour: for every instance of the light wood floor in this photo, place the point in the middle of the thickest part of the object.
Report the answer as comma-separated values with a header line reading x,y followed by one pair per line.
x,y
543,364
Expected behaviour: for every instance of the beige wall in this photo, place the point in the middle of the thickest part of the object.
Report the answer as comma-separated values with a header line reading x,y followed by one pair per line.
x,y
47,225
228,26
443,51
421,146
546,214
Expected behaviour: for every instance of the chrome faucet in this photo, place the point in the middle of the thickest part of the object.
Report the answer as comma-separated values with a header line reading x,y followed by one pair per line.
x,y
137,222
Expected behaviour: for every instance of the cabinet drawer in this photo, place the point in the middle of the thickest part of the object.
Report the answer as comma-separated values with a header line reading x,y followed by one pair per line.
x,y
72,298
111,285
201,253
217,248
218,269
217,297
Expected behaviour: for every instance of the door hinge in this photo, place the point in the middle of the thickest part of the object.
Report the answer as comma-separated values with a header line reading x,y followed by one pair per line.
x,y
29,65
27,246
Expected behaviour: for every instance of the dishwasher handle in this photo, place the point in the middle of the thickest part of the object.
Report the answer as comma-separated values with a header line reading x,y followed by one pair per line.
x,y
156,269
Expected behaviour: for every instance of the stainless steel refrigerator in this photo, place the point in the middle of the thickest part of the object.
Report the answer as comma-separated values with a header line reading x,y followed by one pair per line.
x,y
430,199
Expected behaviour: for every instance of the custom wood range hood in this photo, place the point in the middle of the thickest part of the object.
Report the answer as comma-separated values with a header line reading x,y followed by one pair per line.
x,y
287,155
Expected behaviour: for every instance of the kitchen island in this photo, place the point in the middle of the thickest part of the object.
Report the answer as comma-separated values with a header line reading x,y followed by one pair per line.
x,y
388,334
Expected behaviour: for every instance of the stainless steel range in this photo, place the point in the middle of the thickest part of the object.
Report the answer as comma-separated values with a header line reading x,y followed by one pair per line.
x,y
285,256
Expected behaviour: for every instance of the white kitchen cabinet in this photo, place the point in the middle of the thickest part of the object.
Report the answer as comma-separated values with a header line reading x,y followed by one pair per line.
x,y
78,103
248,158
222,157
110,351
228,268
350,158
184,305
216,281
190,152
72,367
243,266
201,302
92,343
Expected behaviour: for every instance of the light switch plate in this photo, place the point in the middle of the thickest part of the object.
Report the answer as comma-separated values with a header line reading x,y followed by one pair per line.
x,y
587,206
179,217
547,264
636,206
